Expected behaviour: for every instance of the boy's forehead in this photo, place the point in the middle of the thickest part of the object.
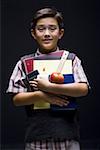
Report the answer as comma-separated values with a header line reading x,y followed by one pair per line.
x,y
47,21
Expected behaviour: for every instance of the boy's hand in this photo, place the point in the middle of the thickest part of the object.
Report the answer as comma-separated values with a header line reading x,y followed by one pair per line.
x,y
41,84
53,99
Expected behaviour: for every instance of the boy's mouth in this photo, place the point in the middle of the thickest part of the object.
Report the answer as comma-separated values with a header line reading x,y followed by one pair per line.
x,y
47,40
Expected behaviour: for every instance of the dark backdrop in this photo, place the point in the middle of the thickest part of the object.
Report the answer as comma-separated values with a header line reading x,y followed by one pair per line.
x,y
82,21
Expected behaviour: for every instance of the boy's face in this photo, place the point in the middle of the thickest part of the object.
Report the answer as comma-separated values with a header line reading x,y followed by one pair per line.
x,y
47,33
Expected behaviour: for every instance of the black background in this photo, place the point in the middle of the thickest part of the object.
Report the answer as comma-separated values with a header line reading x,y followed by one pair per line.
x,y
82,21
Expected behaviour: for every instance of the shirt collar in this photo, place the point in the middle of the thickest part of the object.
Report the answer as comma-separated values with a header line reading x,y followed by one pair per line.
x,y
39,53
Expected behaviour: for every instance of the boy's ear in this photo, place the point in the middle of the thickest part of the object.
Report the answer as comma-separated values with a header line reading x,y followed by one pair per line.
x,y
61,33
33,33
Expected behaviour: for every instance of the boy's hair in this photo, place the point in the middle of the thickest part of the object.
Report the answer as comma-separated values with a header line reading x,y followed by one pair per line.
x,y
47,12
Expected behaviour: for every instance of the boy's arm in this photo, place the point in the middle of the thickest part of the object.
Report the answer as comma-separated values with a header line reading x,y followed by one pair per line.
x,y
28,98
71,89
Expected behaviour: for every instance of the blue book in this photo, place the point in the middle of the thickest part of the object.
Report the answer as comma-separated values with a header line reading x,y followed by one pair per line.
x,y
68,78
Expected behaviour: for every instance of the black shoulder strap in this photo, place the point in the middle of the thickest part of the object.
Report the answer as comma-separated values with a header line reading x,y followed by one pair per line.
x,y
71,56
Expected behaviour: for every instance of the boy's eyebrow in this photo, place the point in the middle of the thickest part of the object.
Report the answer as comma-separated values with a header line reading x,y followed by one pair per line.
x,y
40,25
47,25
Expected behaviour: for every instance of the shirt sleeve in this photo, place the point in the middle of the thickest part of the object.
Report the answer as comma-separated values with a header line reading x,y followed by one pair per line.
x,y
16,84
79,74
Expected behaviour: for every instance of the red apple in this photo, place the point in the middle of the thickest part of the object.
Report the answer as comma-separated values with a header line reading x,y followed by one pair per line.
x,y
56,77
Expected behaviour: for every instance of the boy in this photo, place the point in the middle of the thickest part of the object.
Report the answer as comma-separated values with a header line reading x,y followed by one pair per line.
x,y
48,129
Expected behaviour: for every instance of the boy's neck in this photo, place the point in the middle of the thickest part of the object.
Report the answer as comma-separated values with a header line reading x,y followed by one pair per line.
x,y
48,51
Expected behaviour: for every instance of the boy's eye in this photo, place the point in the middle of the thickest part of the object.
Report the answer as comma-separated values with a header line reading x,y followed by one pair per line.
x,y
41,28
50,28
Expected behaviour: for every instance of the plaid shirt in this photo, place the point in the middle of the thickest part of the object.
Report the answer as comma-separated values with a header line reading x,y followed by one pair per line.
x,y
16,84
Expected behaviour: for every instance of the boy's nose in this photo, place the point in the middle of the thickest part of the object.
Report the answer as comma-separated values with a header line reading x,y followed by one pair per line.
x,y
47,32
